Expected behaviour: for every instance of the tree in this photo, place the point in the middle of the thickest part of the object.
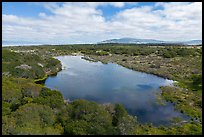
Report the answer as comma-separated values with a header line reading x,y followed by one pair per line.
x,y
51,98
124,123
91,118
34,119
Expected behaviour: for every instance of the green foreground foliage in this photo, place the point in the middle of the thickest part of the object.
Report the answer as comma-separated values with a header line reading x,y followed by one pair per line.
x,y
46,113
29,108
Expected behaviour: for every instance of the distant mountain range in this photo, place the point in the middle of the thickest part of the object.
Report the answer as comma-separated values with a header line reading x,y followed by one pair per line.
x,y
149,41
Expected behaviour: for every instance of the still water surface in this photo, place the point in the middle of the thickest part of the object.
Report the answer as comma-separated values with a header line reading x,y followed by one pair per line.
x,y
112,83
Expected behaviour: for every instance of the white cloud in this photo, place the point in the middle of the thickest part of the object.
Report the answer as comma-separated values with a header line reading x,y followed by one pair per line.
x,y
9,18
51,5
176,21
96,4
72,22
42,14
118,4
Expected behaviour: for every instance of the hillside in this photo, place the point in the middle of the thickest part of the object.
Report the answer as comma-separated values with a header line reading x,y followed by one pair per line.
x,y
149,41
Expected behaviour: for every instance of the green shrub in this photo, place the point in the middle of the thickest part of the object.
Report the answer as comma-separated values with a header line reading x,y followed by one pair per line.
x,y
51,98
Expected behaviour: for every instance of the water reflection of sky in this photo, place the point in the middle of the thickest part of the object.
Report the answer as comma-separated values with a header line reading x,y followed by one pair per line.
x,y
104,83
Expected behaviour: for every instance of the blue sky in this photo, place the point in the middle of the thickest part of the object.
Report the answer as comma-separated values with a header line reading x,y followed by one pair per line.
x,y
24,9
33,8
93,22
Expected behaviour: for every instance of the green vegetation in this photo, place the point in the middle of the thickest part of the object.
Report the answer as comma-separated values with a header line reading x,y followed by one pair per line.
x,y
88,118
27,65
184,129
47,113
29,108
185,101
53,99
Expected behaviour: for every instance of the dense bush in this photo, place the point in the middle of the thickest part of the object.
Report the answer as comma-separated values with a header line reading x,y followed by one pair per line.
x,y
91,119
26,65
51,98
34,119
11,93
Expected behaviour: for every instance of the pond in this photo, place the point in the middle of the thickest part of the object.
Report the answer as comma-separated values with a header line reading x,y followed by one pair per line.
x,y
112,83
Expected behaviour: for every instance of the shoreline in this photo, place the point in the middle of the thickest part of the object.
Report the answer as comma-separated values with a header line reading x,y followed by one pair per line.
x,y
173,84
